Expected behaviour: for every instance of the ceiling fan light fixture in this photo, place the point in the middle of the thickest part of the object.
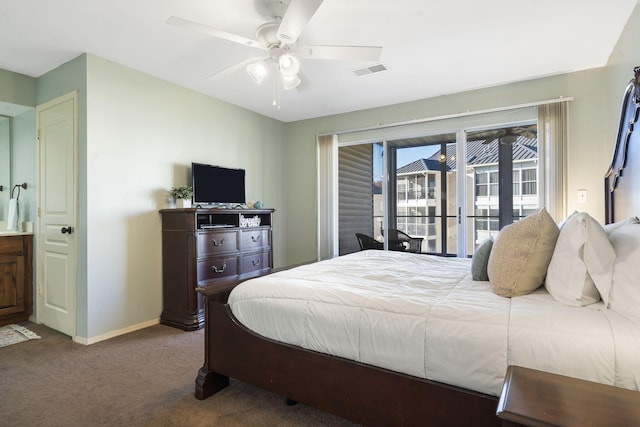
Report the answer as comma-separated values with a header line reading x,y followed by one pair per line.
x,y
258,71
290,82
289,65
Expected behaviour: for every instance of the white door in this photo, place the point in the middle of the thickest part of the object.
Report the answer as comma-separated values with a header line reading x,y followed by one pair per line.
x,y
56,231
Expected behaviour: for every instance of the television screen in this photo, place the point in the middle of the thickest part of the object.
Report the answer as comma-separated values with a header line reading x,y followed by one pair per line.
x,y
215,184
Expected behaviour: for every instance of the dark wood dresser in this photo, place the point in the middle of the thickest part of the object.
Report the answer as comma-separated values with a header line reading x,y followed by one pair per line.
x,y
209,248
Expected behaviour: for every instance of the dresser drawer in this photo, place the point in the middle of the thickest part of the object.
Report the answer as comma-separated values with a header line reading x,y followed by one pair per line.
x,y
217,268
11,244
217,242
255,239
256,261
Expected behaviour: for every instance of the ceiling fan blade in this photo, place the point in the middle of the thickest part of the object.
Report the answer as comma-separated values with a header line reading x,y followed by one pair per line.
x,y
195,26
527,131
298,14
235,68
505,135
488,135
355,53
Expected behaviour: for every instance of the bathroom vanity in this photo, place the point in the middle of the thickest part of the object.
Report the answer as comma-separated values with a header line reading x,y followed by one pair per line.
x,y
16,277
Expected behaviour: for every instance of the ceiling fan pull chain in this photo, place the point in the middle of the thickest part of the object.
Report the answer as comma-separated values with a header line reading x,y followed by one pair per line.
x,y
276,88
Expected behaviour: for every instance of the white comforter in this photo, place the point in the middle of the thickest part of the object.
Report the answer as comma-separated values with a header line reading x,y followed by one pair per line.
x,y
425,316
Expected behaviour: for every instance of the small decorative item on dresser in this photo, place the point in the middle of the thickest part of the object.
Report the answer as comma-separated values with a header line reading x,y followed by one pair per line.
x,y
249,222
183,203
253,204
181,195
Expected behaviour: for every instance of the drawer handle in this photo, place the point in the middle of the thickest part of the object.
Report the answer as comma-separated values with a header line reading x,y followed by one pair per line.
x,y
215,242
256,262
219,270
255,239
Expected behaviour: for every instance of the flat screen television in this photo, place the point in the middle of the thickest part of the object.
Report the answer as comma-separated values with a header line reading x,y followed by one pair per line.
x,y
215,185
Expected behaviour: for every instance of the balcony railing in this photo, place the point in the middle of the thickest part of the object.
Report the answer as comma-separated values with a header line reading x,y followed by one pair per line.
x,y
417,195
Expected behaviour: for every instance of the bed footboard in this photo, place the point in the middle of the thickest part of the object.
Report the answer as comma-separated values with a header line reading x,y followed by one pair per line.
x,y
209,382
359,392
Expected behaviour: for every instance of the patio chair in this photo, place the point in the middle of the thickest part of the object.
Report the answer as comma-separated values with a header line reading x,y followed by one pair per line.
x,y
401,241
368,242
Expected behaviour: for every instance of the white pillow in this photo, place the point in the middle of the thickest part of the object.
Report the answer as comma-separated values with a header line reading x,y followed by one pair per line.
x,y
625,289
582,263
564,221
610,228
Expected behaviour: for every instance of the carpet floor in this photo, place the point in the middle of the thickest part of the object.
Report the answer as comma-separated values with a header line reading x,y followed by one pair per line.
x,y
144,378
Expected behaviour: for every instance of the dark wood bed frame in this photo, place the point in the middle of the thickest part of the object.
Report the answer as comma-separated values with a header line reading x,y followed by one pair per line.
x,y
363,393
621,201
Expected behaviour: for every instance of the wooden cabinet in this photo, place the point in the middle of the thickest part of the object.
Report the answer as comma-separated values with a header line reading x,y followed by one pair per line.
x,y
16,278
208,248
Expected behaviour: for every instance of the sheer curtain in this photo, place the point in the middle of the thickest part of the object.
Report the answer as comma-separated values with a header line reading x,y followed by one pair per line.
x,y
327,196
552,144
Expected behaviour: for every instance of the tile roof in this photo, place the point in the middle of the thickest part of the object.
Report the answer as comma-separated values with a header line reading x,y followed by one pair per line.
x,y
478,154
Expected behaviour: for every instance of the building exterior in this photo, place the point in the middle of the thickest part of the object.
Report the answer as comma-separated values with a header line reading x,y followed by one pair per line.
x,y
421,195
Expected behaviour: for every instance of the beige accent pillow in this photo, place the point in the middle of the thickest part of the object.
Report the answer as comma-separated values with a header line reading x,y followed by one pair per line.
x,y
521,254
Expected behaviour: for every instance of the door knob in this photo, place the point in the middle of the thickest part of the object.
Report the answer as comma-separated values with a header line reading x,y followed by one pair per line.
x,y
68,229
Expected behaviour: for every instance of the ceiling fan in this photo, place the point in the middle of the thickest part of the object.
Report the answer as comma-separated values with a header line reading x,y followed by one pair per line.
x,y
278,39
505,135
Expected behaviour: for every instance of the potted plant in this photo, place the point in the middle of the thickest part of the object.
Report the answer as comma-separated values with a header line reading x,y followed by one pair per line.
x,y
181,195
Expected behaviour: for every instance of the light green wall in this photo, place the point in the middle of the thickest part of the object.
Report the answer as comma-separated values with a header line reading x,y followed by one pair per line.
x,y
302,141
622,61
17,88
142,135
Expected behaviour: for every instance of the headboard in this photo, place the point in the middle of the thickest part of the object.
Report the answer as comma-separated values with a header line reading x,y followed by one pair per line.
x,y
622,180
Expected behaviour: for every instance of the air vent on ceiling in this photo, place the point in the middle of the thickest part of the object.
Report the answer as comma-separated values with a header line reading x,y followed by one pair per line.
x,y
369,70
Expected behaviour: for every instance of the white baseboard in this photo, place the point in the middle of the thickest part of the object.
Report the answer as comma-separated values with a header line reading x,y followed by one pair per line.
x,y
132,328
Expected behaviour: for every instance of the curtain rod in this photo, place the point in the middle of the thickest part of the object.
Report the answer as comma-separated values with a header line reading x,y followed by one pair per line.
x,y
448,116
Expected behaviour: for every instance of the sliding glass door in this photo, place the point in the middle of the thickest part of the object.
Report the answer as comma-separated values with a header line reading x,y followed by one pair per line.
x,y
503,173
422,202
439,194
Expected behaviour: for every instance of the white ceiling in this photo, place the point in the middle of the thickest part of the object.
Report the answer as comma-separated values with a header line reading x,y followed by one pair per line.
x,y
430,47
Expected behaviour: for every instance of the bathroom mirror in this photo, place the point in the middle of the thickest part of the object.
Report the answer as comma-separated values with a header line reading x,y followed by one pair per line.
x,y
5,164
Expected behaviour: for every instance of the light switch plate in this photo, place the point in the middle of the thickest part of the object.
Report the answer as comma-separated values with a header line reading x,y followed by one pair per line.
x,y
582,196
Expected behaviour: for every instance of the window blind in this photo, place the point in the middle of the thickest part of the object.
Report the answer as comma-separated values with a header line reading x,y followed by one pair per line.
x,y
355,195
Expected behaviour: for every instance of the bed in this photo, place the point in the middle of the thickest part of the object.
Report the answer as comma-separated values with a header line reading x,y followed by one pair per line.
x,y
433,348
